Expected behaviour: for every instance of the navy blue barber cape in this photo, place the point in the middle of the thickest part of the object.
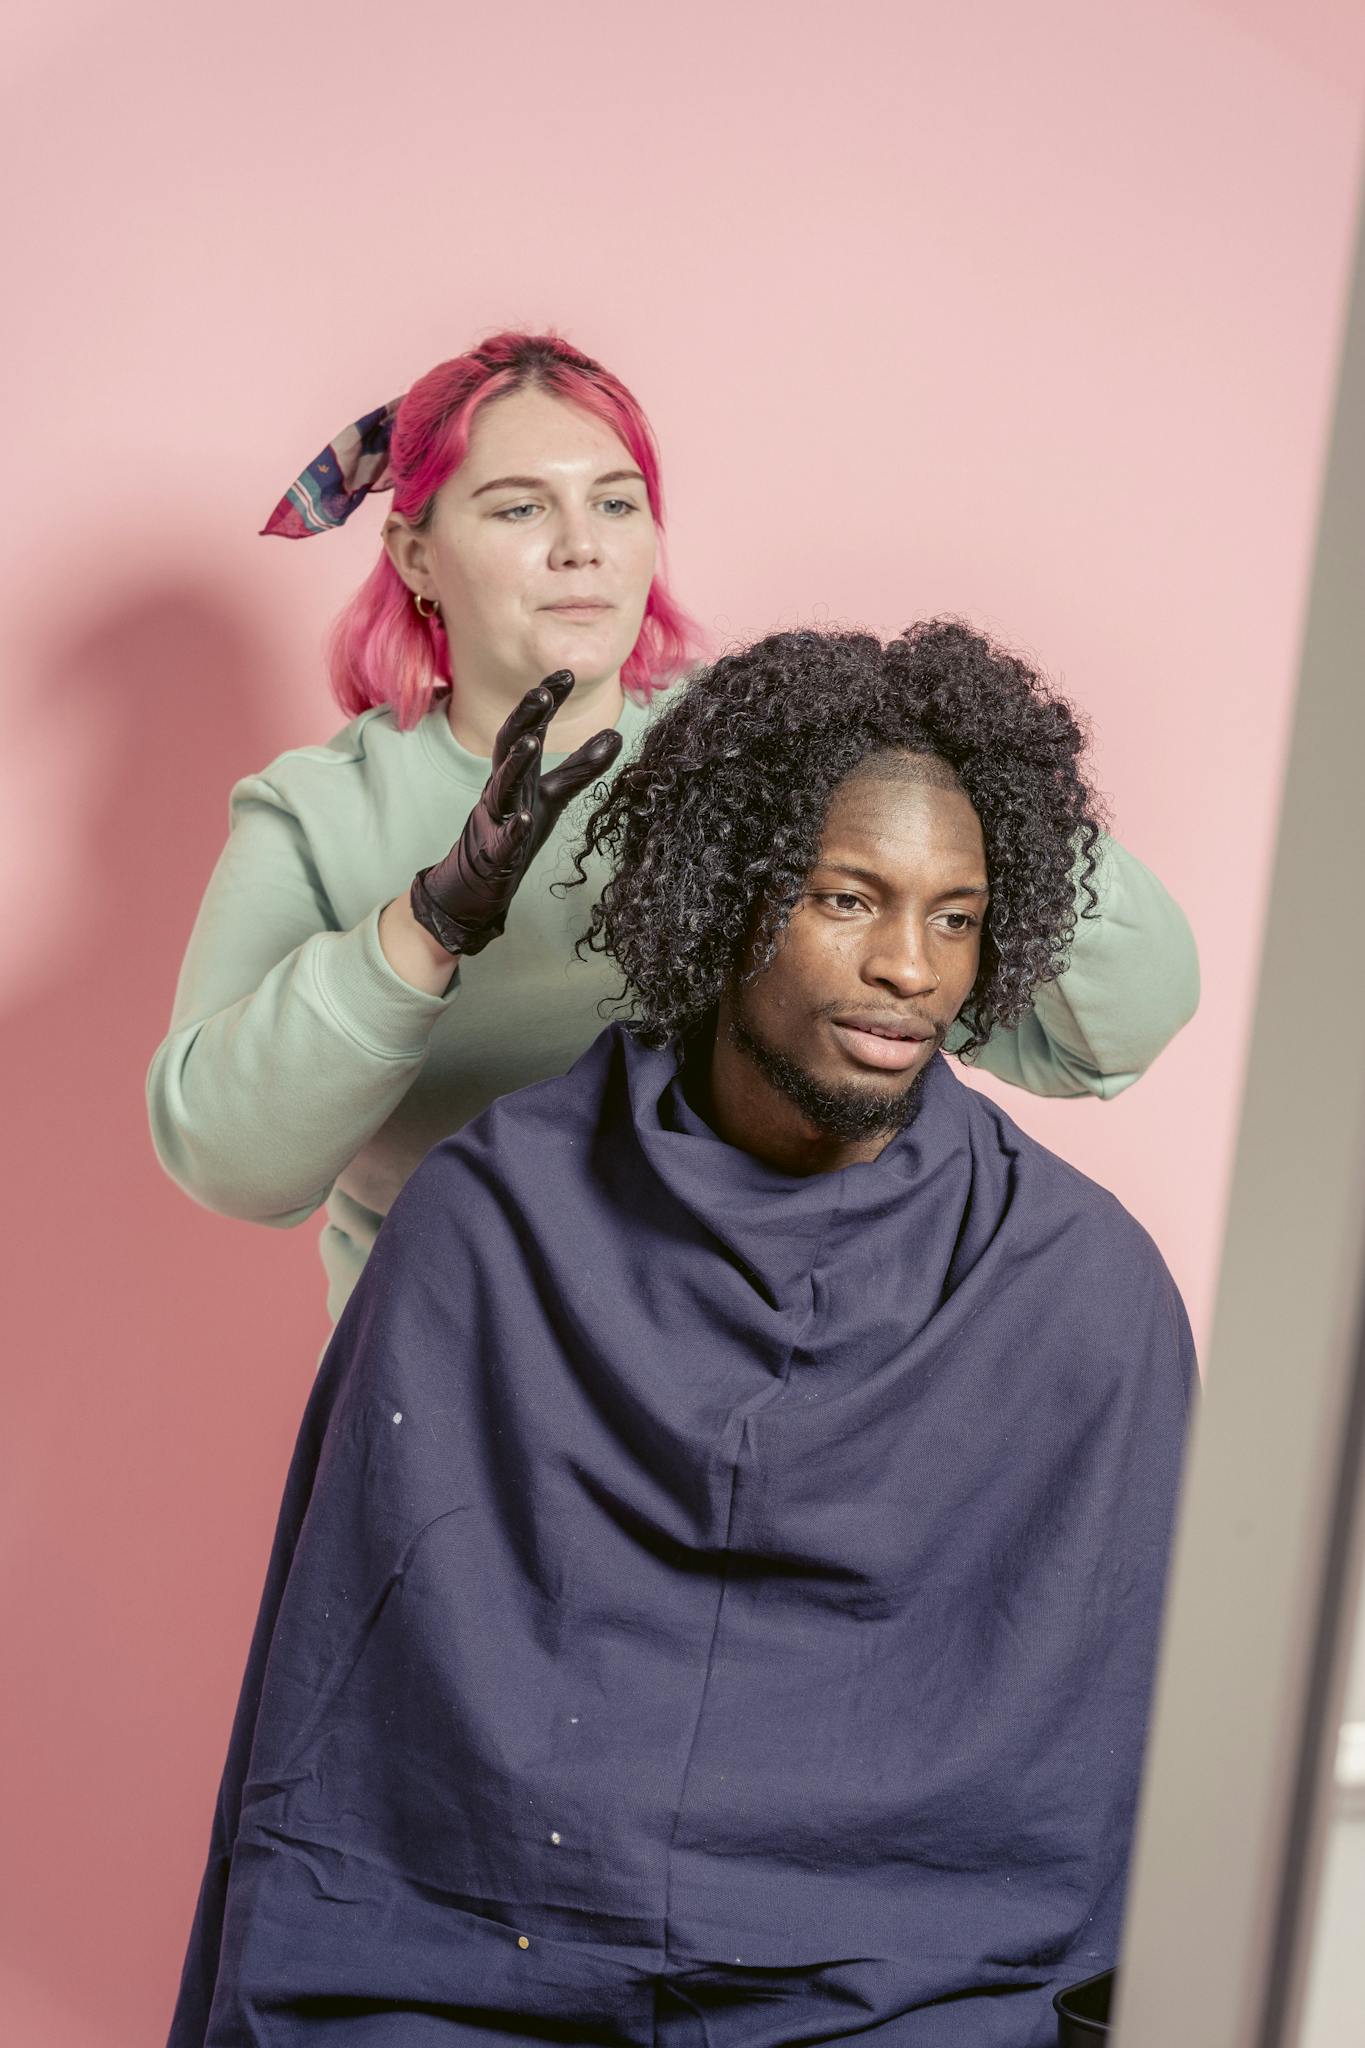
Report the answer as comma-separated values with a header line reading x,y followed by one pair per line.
x,y
709,1606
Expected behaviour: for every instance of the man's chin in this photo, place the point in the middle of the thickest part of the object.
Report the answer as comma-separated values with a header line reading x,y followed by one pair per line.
x,y
862,1108
838,1105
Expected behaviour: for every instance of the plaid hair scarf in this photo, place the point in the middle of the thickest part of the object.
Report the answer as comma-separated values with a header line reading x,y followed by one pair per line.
x,y
334,483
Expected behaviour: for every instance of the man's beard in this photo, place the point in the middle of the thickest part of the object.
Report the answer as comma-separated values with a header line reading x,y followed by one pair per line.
x,y
849,1112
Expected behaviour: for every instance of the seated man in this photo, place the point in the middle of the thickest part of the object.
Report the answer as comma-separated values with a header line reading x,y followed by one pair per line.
x,y
717,1589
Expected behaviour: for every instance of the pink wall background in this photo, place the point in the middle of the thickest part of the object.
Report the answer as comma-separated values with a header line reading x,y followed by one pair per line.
x,y
1030,314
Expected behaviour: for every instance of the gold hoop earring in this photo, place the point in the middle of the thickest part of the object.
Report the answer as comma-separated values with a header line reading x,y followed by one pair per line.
x,y
419,601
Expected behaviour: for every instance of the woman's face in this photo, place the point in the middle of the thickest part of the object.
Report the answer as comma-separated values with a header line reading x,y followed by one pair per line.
x,y
540,548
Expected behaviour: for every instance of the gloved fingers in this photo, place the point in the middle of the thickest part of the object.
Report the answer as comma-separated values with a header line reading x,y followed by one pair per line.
x,y
533,714
590,760
559,684
500,853
506,790
530,785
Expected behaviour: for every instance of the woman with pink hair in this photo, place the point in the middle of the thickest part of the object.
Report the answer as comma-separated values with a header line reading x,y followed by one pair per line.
x,y
337,1012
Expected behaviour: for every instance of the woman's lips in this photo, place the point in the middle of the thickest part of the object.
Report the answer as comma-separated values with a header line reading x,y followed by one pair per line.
x,y
870,1049
586,610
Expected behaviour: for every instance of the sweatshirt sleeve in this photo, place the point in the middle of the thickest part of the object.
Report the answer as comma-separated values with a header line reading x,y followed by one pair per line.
x,y
291,1041
1131,982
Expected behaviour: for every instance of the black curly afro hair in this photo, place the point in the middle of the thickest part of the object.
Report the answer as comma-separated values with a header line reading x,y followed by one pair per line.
x,y
713,829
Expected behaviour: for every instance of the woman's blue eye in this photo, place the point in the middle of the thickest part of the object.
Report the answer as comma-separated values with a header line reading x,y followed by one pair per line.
x,y
616,507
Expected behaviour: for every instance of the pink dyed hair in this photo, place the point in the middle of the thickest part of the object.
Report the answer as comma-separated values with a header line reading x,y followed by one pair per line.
x,y
381,651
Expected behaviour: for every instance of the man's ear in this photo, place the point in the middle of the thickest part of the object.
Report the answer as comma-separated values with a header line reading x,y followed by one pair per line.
x,y
407,550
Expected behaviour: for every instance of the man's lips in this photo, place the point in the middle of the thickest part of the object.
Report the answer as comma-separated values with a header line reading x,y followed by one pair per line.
x,y
891,1043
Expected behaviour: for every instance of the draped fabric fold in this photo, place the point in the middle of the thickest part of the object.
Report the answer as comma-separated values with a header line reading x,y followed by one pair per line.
x,y
704,1589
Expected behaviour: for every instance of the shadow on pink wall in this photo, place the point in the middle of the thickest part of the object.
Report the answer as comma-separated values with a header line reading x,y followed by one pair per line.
x,y
160,1356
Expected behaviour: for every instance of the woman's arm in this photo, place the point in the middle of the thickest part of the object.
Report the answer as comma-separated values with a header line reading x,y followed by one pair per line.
x,y
290,1042
1131,982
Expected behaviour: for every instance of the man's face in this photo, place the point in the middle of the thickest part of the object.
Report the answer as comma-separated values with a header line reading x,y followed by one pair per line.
x,y
877,958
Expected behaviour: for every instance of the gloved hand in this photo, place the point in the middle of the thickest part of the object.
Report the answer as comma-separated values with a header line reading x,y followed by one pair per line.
x,y
463,900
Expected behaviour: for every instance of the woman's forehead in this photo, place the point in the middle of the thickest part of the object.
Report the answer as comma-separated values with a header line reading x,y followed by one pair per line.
x,y
531,432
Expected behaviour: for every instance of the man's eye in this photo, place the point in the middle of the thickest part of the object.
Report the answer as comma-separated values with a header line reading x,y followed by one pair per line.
x,y
843,899
959,920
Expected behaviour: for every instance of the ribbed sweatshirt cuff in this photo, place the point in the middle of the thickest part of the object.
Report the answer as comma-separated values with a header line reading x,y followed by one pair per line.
x,y
372,1004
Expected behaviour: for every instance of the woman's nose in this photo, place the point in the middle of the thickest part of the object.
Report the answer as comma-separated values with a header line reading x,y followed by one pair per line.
x,y
574,545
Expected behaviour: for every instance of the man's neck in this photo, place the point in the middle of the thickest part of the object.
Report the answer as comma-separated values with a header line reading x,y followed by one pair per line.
x,y
746,1110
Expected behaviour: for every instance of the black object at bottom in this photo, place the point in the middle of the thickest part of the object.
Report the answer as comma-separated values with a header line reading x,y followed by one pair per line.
x,y
1083,2011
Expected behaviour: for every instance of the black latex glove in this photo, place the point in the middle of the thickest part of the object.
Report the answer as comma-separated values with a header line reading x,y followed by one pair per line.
x,y
463,900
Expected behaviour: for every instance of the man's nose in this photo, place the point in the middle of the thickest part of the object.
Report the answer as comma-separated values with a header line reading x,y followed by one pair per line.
x,y
901,960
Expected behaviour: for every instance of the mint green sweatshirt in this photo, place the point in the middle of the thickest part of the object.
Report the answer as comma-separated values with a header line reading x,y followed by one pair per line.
x,y
300,1069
